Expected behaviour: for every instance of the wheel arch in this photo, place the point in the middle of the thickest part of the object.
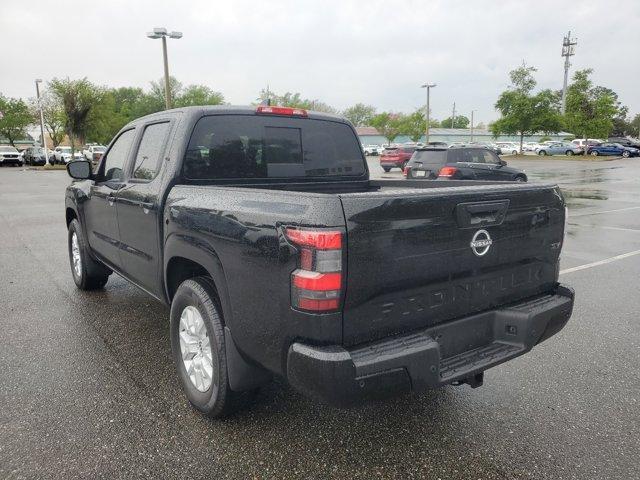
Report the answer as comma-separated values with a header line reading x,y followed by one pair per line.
x,y
187,257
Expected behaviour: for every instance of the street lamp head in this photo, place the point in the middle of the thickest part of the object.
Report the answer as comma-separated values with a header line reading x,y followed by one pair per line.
x,y
175,35
153,35
38,80
160,31
428,85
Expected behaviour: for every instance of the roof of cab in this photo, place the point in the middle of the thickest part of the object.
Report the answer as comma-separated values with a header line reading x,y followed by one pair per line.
x,y
199,111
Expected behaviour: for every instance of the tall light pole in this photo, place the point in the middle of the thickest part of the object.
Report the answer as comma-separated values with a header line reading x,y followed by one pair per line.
x,y
44,140
472,126
453,116
428,86
162,33
568,50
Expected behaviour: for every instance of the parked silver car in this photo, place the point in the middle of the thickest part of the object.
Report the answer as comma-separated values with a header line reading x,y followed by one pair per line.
x,y
559,148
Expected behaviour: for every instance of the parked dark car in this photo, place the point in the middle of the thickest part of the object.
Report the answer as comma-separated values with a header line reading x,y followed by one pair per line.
x,y
278,255
34,156
395,157
613,149
10,156
625,142
463,163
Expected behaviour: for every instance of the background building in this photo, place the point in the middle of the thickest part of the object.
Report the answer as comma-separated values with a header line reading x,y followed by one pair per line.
x,y
370,136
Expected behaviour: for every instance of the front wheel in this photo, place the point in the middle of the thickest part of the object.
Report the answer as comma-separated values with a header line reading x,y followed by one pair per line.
x,y
569,153
594,153
520,178
87,273
198,347
542,152
625,154
386,169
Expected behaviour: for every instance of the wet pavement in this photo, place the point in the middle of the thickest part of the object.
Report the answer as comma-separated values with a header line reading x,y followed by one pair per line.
x,y
88,389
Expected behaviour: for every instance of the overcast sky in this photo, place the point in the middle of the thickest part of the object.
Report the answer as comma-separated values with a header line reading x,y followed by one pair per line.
x,y
341,52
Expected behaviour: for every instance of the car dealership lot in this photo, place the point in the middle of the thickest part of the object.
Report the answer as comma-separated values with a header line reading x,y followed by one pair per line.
x,y
88,386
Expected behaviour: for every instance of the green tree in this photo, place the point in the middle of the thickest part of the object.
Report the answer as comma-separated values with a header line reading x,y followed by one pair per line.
x,y
634,124
360,115
590,110
522,111
77,97
198,95
460,122
53,116
16,117
414,125
388,125
157,91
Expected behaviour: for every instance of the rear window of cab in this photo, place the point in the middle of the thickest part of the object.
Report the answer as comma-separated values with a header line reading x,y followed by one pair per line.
x,y
256,146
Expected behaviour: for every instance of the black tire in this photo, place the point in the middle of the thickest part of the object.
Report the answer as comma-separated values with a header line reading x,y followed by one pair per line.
x,y
386,169
625,154
569,153
218,400
594,153
93,275
520,178
542,152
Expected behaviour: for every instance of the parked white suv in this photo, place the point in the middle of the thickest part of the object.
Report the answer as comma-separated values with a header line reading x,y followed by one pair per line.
x,y
62,155
93,153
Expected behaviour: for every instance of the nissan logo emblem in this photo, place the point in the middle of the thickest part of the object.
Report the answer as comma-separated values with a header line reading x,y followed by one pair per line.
x,y
481,242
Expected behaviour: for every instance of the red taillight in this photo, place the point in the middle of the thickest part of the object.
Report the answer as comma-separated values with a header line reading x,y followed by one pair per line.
x,y
447,172
316,285
268,110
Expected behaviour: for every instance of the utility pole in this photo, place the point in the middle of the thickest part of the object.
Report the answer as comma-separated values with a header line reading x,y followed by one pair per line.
x,y
568,50
428,86
472,126
44,140
453,116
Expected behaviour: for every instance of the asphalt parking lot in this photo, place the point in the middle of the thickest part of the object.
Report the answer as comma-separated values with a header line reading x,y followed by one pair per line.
x,y
88,389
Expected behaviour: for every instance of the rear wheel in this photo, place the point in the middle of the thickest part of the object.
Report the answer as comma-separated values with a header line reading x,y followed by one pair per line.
x,y
514,152
569,152
594,153
88,274
625,154
197,344
520,178
386,169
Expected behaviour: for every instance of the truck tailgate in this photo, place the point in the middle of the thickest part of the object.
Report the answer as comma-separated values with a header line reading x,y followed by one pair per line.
x,y
418,257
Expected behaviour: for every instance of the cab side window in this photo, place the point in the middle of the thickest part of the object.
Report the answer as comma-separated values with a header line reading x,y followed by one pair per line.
x,y
116,157
150,150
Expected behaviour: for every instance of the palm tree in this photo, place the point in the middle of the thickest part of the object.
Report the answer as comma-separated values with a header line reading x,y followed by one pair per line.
x,y
77,98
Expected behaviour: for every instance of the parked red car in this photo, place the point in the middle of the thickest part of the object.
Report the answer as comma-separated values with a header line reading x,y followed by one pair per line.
x,y
395,157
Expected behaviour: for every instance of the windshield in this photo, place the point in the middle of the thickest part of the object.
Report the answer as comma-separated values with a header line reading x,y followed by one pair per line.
x,y
8,150
65,149
99,149
254,146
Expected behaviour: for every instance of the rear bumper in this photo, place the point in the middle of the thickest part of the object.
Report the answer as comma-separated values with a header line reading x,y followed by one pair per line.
x,y
391,163
443,354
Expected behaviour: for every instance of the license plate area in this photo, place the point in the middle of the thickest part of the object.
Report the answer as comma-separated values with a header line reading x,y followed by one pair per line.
x,y
420,173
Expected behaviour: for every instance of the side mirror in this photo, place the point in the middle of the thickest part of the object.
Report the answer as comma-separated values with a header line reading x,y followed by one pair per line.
x,y
502,163
79,169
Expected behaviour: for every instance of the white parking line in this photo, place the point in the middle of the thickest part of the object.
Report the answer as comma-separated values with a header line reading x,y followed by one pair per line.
x,y
600,262
573,215
606,227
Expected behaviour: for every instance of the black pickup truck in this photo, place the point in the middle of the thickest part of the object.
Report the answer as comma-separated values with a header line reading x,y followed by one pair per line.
x,y
278,255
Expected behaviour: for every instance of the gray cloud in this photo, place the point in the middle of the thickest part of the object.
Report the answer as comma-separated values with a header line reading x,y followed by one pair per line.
x,y
341,52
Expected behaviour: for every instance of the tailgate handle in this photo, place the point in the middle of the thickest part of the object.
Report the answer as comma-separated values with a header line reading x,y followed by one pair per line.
x,y
481,214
